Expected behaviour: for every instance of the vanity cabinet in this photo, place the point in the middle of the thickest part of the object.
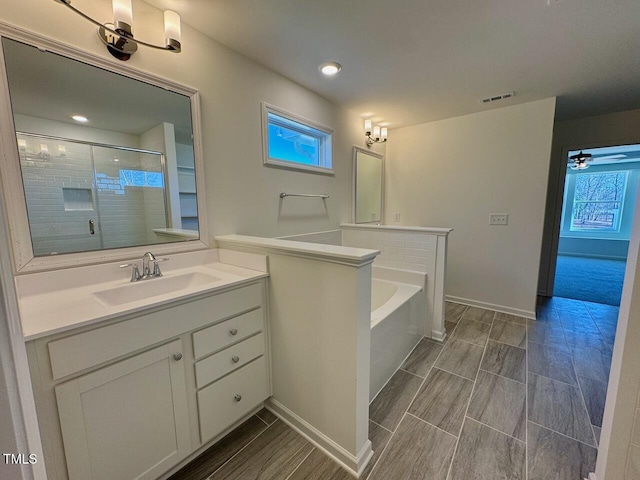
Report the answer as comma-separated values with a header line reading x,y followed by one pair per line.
x,y
139,395
140,402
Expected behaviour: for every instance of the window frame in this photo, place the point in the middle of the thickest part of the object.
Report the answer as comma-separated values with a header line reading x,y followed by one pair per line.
x,y
325,153
618,220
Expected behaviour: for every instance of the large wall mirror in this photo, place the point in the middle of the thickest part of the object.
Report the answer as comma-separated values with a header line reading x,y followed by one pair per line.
x,y
105,161
368,173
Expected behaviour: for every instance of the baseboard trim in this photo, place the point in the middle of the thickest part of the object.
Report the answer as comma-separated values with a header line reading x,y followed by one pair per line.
x,y
438,336
355,465
491,306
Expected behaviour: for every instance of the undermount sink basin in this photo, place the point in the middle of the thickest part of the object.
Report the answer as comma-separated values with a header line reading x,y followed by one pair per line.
x,y
152,287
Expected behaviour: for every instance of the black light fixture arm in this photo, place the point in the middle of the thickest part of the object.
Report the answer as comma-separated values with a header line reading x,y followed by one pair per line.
x,y
370,140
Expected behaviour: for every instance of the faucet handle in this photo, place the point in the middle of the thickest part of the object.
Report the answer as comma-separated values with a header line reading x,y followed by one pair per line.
x,y
135,273
156,267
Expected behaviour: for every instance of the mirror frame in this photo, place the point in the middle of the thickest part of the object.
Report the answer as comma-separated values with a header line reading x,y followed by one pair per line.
x,y
13,191
357,149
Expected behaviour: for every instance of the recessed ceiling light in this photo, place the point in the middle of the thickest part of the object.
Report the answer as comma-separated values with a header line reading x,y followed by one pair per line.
x,y
330,68
80,118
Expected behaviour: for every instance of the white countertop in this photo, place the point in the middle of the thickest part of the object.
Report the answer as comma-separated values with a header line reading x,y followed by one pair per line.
x,y
351,255
53,302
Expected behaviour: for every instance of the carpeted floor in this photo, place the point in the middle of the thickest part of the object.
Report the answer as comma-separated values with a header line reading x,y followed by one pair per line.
x,y
592,279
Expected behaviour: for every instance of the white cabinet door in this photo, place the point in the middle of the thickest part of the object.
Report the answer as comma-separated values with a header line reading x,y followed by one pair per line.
x,y
126,421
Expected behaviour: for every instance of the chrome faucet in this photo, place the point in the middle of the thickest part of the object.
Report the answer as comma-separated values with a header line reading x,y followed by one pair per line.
x,y
146,258
147,273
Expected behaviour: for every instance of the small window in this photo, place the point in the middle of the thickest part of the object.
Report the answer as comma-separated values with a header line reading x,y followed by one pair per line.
x,y
294,142
597,201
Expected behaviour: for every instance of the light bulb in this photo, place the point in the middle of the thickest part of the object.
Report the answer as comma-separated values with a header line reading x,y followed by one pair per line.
x,y
367,126
123,14
22,144
376,131
330,68
172,30
44,148
383,133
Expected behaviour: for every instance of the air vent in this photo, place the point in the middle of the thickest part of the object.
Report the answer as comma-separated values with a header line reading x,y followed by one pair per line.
x,y
498,97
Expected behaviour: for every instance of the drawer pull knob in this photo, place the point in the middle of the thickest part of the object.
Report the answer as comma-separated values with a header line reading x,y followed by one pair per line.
x,y
177,356
233,331
237,398
235,359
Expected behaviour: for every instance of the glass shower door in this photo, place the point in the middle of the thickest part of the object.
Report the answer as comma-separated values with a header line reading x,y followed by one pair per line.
x,y
130,187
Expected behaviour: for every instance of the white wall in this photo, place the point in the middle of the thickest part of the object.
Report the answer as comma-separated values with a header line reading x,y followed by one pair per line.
x,y
454,173
242,194
603,130
619,448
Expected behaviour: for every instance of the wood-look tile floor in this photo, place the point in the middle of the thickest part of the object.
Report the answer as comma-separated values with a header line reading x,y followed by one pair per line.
x,y
502,398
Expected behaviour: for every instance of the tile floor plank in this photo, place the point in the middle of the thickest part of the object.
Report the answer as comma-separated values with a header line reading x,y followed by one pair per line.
x,y
472,331
505,360
393,400
553,456
379,438
442,400
273,455
500,403
509,333
507,317
559,407
545,333
453,311
416,451
212,458
594,364
552,362
479,314
266,416
317,466
586,340
483,453
423,357
595,396
603,313
461,358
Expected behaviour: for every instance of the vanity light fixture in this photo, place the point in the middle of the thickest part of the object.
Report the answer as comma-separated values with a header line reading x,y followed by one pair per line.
x,y
580,161
118,36
379,134
330,68
80,118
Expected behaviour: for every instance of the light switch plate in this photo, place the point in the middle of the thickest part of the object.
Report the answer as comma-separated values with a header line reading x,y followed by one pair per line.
x,y
498,219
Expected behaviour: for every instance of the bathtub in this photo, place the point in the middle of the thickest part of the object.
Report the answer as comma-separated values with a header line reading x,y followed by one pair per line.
x,y
398,309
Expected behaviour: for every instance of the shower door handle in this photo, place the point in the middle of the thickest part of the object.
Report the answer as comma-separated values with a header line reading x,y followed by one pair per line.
x,y
91,227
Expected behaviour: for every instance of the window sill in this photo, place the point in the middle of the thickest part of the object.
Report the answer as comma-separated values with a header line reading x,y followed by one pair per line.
x,y
269,162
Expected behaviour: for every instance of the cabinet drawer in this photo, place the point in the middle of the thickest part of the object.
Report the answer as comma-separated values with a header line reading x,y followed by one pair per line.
x,y
225,333
229,359
223,403
88,349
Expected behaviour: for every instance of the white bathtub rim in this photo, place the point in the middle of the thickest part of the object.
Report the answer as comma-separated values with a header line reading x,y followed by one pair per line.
x,y
404,293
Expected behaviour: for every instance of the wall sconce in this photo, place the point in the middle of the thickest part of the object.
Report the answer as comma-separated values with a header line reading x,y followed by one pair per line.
x,y
379,134
580,161
118,36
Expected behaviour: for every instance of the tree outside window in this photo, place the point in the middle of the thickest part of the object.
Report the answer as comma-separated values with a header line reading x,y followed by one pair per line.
x,y
597,201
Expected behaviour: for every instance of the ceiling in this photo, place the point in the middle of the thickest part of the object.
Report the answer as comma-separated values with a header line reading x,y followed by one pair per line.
x,y
413,61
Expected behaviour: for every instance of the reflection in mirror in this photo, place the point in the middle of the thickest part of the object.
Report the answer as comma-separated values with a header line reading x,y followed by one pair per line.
x,y
368,173
107,161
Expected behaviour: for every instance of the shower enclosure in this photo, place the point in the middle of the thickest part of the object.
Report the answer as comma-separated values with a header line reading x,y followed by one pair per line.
x,y
84,196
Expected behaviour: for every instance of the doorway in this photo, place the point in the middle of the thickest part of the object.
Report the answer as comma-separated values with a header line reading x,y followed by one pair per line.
x,y
597,215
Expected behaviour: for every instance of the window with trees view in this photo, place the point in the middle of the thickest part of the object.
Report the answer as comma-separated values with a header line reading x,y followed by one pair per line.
x,y
597,201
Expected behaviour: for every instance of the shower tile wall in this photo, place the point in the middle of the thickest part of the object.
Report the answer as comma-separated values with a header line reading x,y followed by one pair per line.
x,y
52,228
127,213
